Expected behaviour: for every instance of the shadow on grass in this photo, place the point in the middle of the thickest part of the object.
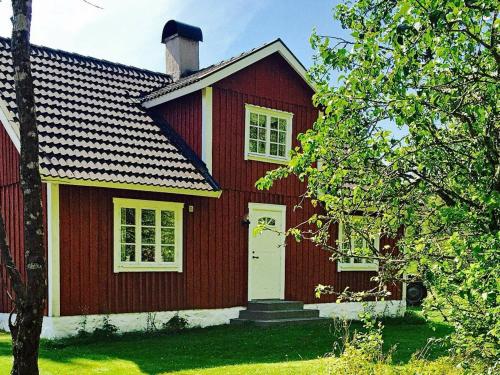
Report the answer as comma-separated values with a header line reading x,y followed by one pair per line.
x,y
224,345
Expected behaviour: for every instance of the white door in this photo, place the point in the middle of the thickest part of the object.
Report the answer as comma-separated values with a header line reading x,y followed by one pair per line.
x,y
266,252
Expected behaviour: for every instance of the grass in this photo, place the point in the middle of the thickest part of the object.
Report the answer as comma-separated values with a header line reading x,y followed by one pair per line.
x,y
224,349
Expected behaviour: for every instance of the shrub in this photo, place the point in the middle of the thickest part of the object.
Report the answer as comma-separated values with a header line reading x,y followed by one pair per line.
x,y
106,330
175,324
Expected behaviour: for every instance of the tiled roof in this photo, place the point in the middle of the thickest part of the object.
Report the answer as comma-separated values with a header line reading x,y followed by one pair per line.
x,y
200,74
91,126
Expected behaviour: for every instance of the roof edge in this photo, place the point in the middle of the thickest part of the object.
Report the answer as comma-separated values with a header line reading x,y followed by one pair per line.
x,y
128,186
96,60
234,66
183,147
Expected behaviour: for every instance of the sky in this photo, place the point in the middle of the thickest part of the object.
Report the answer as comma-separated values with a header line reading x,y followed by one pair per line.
x,y
129,31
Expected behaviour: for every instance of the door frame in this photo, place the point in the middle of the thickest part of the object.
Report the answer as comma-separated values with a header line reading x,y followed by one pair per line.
x,y
266,207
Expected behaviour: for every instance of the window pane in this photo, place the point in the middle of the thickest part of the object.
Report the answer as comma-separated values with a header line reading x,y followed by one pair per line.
x,y
148,253
262,148
168,253
253,132
282,137
128,253
274,136
282,125
128,216
253,146
128,234
262,134
274,123
268,221
358,243
167,218
281,150
168,236
148,217
273,150
262,121
254,118
148,235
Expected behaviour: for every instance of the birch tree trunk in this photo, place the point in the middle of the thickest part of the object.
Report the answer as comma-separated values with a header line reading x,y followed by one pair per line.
x,y
30,293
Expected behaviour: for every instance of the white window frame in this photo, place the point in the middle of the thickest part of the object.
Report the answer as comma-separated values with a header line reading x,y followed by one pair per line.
x,y
268,112
139,266
351,266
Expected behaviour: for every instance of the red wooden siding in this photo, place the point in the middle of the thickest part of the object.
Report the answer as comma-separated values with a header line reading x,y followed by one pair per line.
x,y
215,257
184,116
11,209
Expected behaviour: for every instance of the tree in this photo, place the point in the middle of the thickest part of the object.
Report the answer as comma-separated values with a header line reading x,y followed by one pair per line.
x,y
29,291
430,70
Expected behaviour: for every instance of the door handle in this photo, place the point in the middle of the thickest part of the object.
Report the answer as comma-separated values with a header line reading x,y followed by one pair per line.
x,y
254,257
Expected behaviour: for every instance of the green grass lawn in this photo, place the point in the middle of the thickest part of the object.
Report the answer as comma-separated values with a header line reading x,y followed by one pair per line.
x,y
219,350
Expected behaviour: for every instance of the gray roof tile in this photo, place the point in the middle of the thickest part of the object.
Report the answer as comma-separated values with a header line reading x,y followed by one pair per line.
x,y
91,126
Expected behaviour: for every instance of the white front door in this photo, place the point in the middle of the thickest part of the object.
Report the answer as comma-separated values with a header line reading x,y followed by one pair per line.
x,y
266,252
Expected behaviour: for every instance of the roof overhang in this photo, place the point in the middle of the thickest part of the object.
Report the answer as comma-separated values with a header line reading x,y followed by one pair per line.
x,y
125,186
239,64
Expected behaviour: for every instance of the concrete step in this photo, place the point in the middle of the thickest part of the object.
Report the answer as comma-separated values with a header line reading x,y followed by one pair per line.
x,y
277,322
278,314
273,305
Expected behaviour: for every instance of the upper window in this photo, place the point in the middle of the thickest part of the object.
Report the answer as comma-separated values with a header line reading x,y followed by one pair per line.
x,y
356,244
268,134
148,235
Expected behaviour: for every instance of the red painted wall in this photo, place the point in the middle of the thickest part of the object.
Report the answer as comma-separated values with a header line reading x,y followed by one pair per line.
x,y
184,116
11,209
215,240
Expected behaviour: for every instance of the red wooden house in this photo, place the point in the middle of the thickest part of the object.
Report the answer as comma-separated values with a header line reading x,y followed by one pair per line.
x,y
149,188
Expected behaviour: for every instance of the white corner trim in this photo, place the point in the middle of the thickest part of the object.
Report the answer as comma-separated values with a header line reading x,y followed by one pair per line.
x,y
351,310
53,250
8,123
206,127
67,326
157,206
210,79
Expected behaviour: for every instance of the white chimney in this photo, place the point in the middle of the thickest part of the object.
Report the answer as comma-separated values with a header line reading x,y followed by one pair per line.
x,y
182,52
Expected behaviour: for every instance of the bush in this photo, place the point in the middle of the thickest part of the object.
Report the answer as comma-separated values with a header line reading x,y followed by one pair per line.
x,y
175,324
106,330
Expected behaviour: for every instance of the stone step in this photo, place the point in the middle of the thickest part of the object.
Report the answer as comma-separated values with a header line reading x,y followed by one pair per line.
x,y
277,322
278,314
273,305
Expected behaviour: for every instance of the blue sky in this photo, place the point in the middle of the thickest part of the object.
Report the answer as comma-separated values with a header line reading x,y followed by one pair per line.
x,y
129,31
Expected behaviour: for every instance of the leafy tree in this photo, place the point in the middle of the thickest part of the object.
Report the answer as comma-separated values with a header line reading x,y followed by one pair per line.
x,y
29,291
430,69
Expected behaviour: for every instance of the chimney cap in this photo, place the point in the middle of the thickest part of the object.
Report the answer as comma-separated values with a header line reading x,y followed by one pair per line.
x,y
174,27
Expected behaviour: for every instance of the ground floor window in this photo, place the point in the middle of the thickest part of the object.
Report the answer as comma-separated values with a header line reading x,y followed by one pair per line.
x,y
355,243
148,235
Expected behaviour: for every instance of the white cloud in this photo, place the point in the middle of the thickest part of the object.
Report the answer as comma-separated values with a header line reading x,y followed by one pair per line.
x,y
129,31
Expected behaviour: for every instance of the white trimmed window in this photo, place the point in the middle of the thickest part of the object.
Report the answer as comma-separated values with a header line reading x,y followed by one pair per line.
x,y
355,243
147,235
268,134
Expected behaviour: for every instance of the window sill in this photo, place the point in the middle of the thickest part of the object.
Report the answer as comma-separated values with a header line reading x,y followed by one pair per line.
x,y
147,268
345,267
266,159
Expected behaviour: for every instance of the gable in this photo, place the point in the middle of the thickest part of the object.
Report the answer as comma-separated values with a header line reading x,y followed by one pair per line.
x,y
272,78
208,76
